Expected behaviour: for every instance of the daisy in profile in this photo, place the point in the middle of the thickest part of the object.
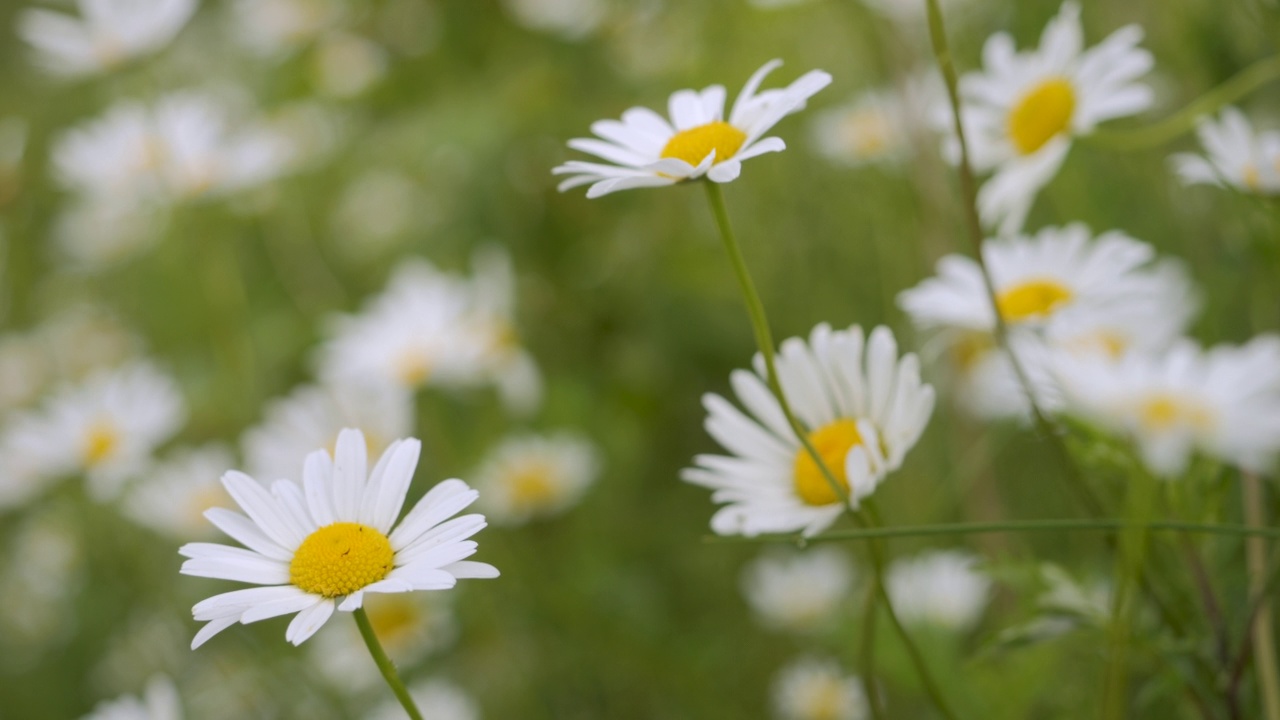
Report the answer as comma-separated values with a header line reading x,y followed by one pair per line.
x,y
159,702
108,33
1235,156
528,476
862,406
644,149
1223,402
814,689
322,544
942,588
1024,109
798,591
171,496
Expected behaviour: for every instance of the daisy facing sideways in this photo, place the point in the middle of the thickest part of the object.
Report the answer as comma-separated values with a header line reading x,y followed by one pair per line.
x,y
1236,156
322,544
644,149
863,408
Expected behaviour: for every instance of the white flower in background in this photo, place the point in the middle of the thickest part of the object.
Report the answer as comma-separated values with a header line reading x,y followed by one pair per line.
x,y
410,627
798,591
492,323
911,15
1224,402
529,476
440,698
108,33
106,428
171,496
323,543
23,371
568,19
82,338
117,155
346,65
378,208
312,416
942,588
277,26
864,408
869,129
1023,110
647,151
160,702
1235,156
813,689
776,4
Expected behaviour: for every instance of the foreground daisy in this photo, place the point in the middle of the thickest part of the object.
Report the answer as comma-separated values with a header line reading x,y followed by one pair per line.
x,y
324,543
160,702
645,150
108,33
1235,156
812,689
1022,111
798,591
864,408
938,588
528,476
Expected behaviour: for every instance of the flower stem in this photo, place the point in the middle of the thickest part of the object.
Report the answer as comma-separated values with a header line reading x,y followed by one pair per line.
x,y
385,666
1261,629
1010,526
868,652
1129,562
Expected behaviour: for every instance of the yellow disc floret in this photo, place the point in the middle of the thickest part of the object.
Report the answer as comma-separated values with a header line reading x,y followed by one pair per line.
x,y
1161,412
833,442
100,444
1032,299
694,144
1041,114
341,558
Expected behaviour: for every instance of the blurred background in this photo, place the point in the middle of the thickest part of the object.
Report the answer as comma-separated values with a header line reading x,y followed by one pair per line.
x,y
394,130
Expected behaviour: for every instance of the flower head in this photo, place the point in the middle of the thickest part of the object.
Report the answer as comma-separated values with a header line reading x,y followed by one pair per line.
x,y
1235,156
172,496
940,588
798,591
813,689
160,702
529,476
108,33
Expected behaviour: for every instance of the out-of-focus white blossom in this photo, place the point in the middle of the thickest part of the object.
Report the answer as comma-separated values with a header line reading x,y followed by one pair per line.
x,y
529,476
938,588
813,689
271,27
798,591
171,496
1235,155
569,19
107,33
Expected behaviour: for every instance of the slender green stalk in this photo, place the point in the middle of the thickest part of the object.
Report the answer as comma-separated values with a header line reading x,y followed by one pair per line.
x,y
385,666
868,651
1108,525
1261,628
1129,562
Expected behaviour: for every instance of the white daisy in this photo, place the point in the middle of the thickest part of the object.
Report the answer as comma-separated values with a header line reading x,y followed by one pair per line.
x,y
410,627
942,588
813,689
106,428
568,19
276,26
1236,156
312,416
912,15
647,151
1224,402
529,476
322,544
108,33
492,324
160,702
869,129
441,699
1022,111
864,409
98,231
172,496
798,591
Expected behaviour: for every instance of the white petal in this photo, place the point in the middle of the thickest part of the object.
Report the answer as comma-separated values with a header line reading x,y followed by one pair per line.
x,y
308,622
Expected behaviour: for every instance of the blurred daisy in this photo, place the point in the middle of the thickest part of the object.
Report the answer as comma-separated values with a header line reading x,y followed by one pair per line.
x,y
868,130
346,65
568,19
276,26
106,428
99,231
1224,402
647,151
410,627
108,33
312,416
812,689
1022,111
440,698
1236,156
798,591
529,476
172,496
942,588
912,14
864,408
160,702
492,322
322,544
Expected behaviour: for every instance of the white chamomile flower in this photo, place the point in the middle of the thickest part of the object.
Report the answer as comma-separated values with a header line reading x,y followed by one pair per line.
x,y
410,627
1022,111
441,698
863,407
1236,156
160,702
529,476
105,428
312,416
648,151
942,588
880,125
321,544
492,324
1224,402
171,496
568,19
798,591
270,27
108,33
813,689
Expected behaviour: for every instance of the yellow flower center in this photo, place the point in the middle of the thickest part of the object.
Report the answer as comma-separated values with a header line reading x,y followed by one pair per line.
x,y
967,351
1032,299
533,487
694,144
868,133
1041,114
341,558
825,703
412,368
1251,177
1162,411
833,442
100,444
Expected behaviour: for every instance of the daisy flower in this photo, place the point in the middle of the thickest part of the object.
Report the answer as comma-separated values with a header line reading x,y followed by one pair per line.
x,y
813,689
492,323
172,496
645,150
322,544
528,476
1022,111
108,33
271,27
568,19
798,591
862,406
1236,156
410,627
938,588
160,702
446,701
1224,402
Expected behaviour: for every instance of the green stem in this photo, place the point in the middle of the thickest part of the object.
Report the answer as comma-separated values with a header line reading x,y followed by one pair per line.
x,y
385,666
1009,526
1261,628
868,648
1133,546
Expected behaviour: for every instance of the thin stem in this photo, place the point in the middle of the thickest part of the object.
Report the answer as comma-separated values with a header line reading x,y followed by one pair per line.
x,y
868,651
1129,562
1261,633
385,666
1009,526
